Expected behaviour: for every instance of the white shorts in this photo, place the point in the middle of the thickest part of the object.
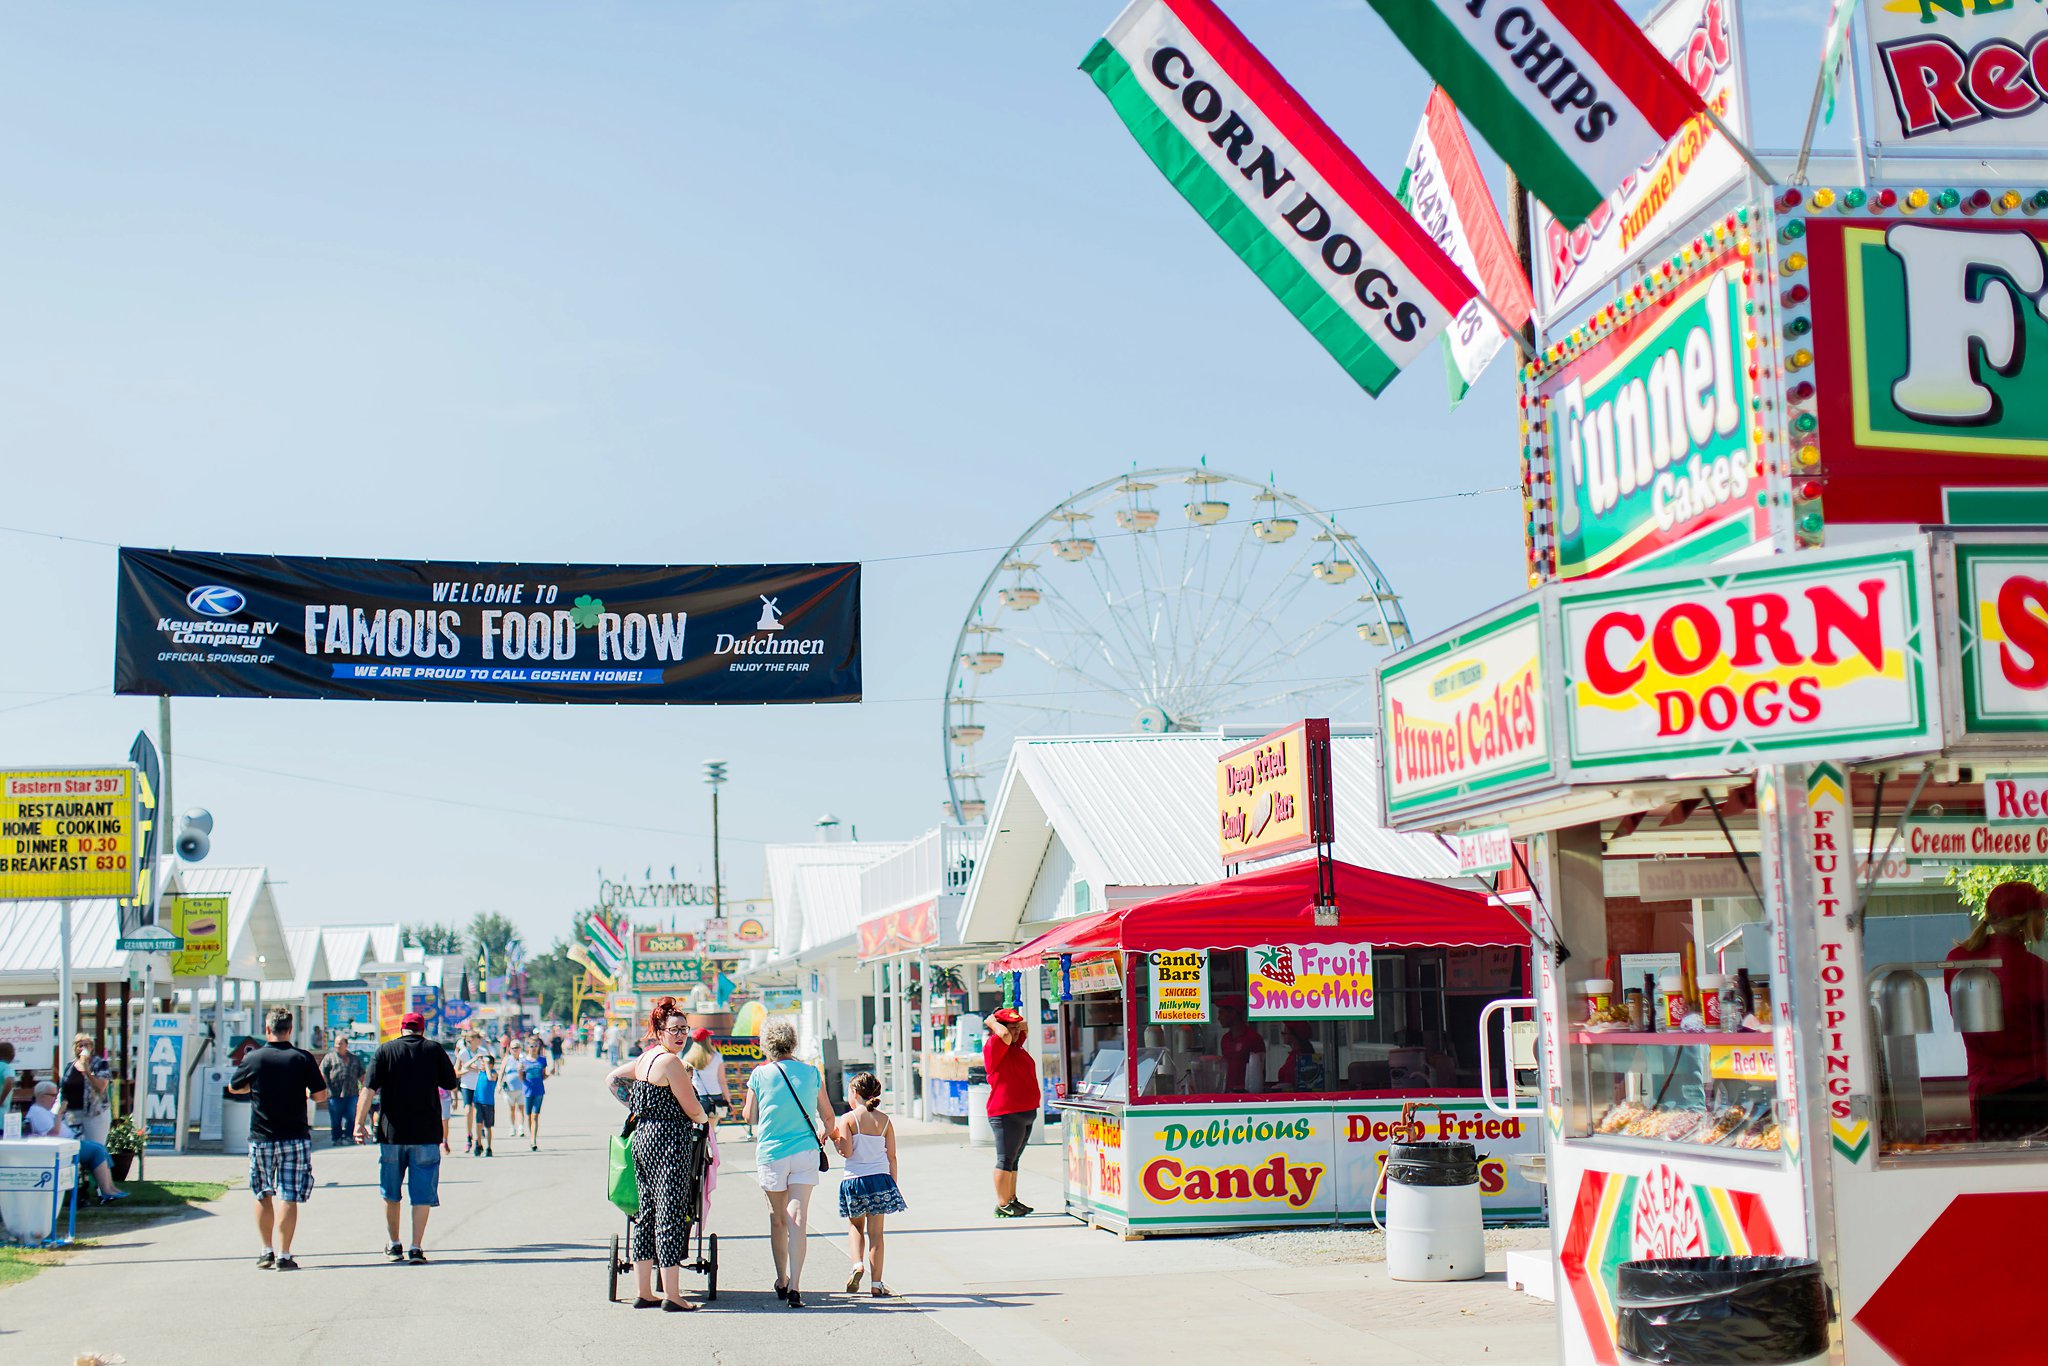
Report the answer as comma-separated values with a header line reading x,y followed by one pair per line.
x,y
799,1169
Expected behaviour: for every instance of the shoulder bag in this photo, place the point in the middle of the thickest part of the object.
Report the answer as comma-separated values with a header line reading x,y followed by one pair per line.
x,y
622,1185
824,1163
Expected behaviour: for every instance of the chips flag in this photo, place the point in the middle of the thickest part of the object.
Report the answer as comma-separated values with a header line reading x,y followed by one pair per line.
x,y
1443,189
1294,203
607,945
577,954
1569,92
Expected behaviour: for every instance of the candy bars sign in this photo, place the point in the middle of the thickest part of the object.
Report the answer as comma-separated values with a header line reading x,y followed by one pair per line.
x,y
1957,73
1828,657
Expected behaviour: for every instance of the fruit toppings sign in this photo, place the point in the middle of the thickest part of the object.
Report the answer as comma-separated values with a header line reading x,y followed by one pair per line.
x,y
1180,986
1309,981
1273,795
1464,714
1827,657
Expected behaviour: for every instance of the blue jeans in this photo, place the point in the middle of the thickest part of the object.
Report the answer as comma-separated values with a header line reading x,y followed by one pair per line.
x,y
92,1156
413,1165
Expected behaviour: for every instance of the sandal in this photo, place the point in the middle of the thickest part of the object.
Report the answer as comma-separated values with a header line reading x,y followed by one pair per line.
x,y
881,1292
853,1281
782,1290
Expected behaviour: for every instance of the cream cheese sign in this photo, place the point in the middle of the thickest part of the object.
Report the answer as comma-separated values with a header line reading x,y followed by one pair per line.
x,y
1827,656
1463,715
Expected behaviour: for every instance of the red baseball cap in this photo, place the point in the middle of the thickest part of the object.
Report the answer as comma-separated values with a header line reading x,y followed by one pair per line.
x,y
700,1035
1009,1015
412,1020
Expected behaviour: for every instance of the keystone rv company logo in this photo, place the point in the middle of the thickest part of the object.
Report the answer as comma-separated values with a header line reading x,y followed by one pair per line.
x,y
215,600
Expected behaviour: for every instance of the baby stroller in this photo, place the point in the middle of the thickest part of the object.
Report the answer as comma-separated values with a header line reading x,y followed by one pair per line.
x,y
696,1160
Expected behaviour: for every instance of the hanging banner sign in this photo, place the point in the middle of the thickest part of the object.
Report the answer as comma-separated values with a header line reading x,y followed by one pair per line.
x,y
1947,74
663,944
1649,433
1827,656
1831,860
140,911
2003,668
1484,851
1463,716
1273,795
67,833
1089,975
1927,839
651,973
219,625
1930,362
1703,40
1309,981
202,923
899,931
1180,986
2016,798
391,1008
163,1066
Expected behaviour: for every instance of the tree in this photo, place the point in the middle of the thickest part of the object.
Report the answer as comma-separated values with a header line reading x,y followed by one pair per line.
x,y
434,937
1973,882
490,935
553,976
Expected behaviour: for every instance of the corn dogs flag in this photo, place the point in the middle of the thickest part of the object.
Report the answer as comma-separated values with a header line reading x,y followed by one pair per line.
x,y
1276,184
1569,92
1442,187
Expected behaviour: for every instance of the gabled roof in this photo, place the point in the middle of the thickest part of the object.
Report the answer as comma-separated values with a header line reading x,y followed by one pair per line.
x,y
309,963
257,946
256,942
348,946
814,889
1140,811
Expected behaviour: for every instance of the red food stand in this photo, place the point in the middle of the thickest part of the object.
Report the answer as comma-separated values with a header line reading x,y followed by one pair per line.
x,y
1230,1057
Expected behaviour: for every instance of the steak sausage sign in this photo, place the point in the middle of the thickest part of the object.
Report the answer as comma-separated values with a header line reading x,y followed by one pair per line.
x,y
1830,655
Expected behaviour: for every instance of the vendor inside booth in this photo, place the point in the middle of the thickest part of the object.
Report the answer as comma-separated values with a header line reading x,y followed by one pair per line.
x,y
1226,1062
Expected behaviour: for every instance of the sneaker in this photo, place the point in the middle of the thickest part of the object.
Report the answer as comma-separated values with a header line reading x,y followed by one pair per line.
x,y
394,1252
416,1257
267,1260
1006,1211
1018,1209
287,1263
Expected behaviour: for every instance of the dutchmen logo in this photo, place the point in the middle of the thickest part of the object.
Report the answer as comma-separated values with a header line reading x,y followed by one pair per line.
x,y
215,600
771,616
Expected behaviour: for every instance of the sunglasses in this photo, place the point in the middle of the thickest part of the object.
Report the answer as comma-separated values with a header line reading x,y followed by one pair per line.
x,y
677,1029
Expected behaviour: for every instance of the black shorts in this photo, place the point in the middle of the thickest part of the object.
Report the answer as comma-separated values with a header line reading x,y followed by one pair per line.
x,y
486,1113
1013,1131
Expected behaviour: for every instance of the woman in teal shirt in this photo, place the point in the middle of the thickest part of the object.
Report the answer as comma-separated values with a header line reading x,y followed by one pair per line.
x,y
781,1093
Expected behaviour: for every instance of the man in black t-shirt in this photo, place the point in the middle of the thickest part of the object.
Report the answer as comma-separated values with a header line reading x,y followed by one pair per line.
x,y
280,1079
406,1079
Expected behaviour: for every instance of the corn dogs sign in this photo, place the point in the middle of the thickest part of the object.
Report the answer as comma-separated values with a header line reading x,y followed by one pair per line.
x,y
1827,656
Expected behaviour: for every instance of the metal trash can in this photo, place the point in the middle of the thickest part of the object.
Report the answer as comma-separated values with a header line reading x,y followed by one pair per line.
x,y
235,1114
1435,1230
1722,1311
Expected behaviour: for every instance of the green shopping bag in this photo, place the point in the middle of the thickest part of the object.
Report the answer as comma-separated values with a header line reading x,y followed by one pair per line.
x,y
622,1187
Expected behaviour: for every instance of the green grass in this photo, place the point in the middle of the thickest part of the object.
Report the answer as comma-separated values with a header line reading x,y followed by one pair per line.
x,y
17,1264
143,1194
147,1201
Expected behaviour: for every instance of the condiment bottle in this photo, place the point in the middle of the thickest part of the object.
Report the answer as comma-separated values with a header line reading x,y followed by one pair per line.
x,y
1650,1000
1638,1010
1671,1000
1710,1001
1761,988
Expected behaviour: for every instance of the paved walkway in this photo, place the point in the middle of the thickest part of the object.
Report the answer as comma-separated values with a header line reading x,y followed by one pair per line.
x,y
518,1276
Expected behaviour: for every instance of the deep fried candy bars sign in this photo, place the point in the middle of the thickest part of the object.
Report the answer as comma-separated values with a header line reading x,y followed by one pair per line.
x,y
1464,715
1273,795
1828,657
1277,185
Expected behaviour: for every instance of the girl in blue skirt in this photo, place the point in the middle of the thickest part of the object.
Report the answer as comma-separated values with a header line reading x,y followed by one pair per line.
x,y
869,1192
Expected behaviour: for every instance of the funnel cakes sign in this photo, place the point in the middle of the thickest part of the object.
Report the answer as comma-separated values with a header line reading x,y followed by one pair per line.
x,y
1273,795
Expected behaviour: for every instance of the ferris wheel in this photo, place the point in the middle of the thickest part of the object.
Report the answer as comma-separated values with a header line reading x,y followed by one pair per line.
x,y
1115,611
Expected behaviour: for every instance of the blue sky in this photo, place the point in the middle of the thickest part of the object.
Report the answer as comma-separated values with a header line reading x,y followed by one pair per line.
x,y
650,283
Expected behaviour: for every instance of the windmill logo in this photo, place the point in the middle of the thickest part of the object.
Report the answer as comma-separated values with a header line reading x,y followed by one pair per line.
x,y
771,616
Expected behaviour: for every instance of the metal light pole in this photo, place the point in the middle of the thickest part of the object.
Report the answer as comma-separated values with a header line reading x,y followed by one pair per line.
x,y
714,774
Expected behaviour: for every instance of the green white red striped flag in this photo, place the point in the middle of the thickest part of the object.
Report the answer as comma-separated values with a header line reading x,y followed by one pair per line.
x,y
1278,186
607,944
1569,92
1442,187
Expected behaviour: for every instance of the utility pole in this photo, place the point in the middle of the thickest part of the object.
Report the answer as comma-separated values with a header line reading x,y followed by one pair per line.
x,y
714,774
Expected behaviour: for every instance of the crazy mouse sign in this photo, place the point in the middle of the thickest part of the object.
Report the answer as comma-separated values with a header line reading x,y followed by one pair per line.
x,y
1829,656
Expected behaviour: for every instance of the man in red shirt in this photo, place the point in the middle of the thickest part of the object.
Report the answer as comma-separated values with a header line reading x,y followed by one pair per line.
x,y
2009,1069
1013,1102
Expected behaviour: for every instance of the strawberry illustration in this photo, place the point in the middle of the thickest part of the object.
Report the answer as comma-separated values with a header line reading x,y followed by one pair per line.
x,y
1277,964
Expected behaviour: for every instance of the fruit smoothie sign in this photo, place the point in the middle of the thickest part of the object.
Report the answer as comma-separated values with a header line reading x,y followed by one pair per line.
x,y
1828,656
1309,981
1464,715
2004,663
1650,431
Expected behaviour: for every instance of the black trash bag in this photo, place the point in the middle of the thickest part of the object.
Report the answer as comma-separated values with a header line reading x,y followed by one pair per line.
x,y
1433,1164
1721,1311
